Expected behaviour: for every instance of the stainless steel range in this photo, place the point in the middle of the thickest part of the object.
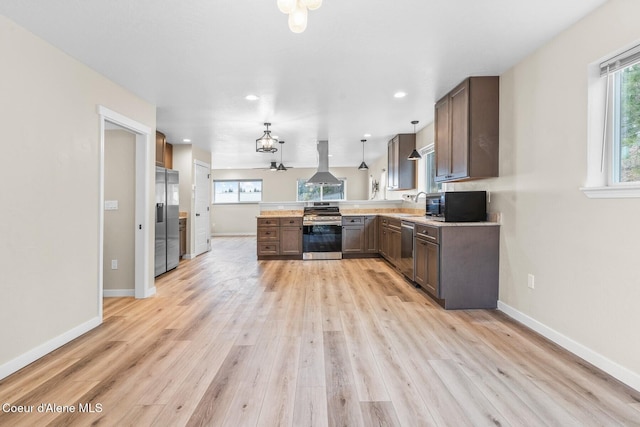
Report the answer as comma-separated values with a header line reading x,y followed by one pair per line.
x,y
322,231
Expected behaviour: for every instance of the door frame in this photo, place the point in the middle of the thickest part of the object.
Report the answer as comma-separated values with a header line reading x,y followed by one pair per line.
x,y
197,163
142,210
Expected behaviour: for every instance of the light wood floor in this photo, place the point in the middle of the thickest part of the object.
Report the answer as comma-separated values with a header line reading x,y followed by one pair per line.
x,y
231,341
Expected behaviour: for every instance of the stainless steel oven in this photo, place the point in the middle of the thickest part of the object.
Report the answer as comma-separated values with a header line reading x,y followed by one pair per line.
x,y
322,232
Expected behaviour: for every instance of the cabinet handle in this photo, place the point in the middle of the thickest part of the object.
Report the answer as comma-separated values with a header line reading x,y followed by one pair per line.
x,y
267,233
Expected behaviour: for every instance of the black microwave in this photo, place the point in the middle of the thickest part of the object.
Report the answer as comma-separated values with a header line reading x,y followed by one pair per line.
x,y
457,206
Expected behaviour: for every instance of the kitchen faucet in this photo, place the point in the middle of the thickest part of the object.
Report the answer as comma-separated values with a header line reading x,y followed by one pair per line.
x,y
415,198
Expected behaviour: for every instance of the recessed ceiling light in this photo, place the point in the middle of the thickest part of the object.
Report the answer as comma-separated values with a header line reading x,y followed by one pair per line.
x,y
251,97
186,140
330,155
367,135
399,94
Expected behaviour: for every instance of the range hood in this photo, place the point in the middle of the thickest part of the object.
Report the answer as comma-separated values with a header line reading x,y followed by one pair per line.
x,y
323,176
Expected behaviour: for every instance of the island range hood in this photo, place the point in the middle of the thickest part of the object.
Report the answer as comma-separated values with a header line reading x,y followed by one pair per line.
x,y
323,176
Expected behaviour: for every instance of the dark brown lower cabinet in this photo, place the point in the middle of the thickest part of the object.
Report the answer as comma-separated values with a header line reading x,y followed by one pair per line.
x,y
458,264
182,228
279,238
291,240
427,260
390,239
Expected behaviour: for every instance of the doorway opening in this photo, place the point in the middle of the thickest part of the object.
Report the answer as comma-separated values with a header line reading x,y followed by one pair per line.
x,y
141,229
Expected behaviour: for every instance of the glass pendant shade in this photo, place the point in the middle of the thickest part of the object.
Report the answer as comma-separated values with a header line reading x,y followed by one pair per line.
x,y
312,4
298,18
286,6
266,143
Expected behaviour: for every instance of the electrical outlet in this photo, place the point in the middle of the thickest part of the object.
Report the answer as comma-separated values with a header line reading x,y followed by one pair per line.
x,y
531,281
114,264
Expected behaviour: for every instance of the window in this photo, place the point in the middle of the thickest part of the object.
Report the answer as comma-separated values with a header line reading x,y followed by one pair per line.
x,y
429,156
626,127
237,191
318,193
613,154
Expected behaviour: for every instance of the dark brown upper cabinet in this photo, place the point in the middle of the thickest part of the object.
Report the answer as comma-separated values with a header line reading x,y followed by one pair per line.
x,y
466,130
401,172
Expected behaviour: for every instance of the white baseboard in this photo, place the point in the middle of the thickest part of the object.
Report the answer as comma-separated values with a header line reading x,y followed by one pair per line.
x,y
630,378
114,293
34,354
149,292
188,256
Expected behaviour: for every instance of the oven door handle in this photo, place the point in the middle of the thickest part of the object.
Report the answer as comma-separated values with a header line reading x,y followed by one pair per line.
x,y
322,223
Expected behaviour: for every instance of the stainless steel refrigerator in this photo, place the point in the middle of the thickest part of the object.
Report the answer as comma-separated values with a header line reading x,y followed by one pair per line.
x,y
167,221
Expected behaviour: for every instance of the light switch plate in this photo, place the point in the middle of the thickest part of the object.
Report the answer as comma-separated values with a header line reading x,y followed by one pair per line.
x,y
110,205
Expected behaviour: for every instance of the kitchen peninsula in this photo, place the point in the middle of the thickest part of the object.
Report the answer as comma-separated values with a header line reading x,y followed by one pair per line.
x,y
456,264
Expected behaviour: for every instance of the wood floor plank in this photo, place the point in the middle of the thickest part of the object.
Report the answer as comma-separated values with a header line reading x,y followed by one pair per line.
x,y
311,364
212,407
343,407
379,414
477,408
367,375
233,341
310,407
246,405
279,399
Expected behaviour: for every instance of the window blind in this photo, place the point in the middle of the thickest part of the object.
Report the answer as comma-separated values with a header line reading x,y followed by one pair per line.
x,y
620,61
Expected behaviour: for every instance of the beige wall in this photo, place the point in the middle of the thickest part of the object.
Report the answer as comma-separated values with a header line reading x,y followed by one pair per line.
x,y
119,225
276,187
49,221
583,252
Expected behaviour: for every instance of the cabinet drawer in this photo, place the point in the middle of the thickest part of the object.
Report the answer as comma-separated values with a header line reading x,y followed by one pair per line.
x,y
352,220
394,223
269,221
290,222
266,248
427,232
266,234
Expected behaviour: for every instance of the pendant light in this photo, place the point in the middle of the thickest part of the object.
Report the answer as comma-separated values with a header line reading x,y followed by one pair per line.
x,y
414,154
298,18
298,11
281,167
266,143
286,6
363,166
273,167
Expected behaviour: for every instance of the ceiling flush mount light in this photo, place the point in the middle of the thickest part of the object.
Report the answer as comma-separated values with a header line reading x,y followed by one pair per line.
x,y
399,94
414,154
363,166
266,143
298,11
186,140
281,167
367,135
252,97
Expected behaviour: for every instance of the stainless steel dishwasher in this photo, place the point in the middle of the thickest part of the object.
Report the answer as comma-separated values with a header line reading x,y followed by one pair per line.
x,y
406,250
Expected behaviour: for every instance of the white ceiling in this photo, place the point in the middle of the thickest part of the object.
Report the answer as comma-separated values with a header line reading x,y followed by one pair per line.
x,y
198,59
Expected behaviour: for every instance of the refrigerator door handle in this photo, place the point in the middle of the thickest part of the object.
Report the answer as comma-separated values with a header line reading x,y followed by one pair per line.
x,y
159,212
